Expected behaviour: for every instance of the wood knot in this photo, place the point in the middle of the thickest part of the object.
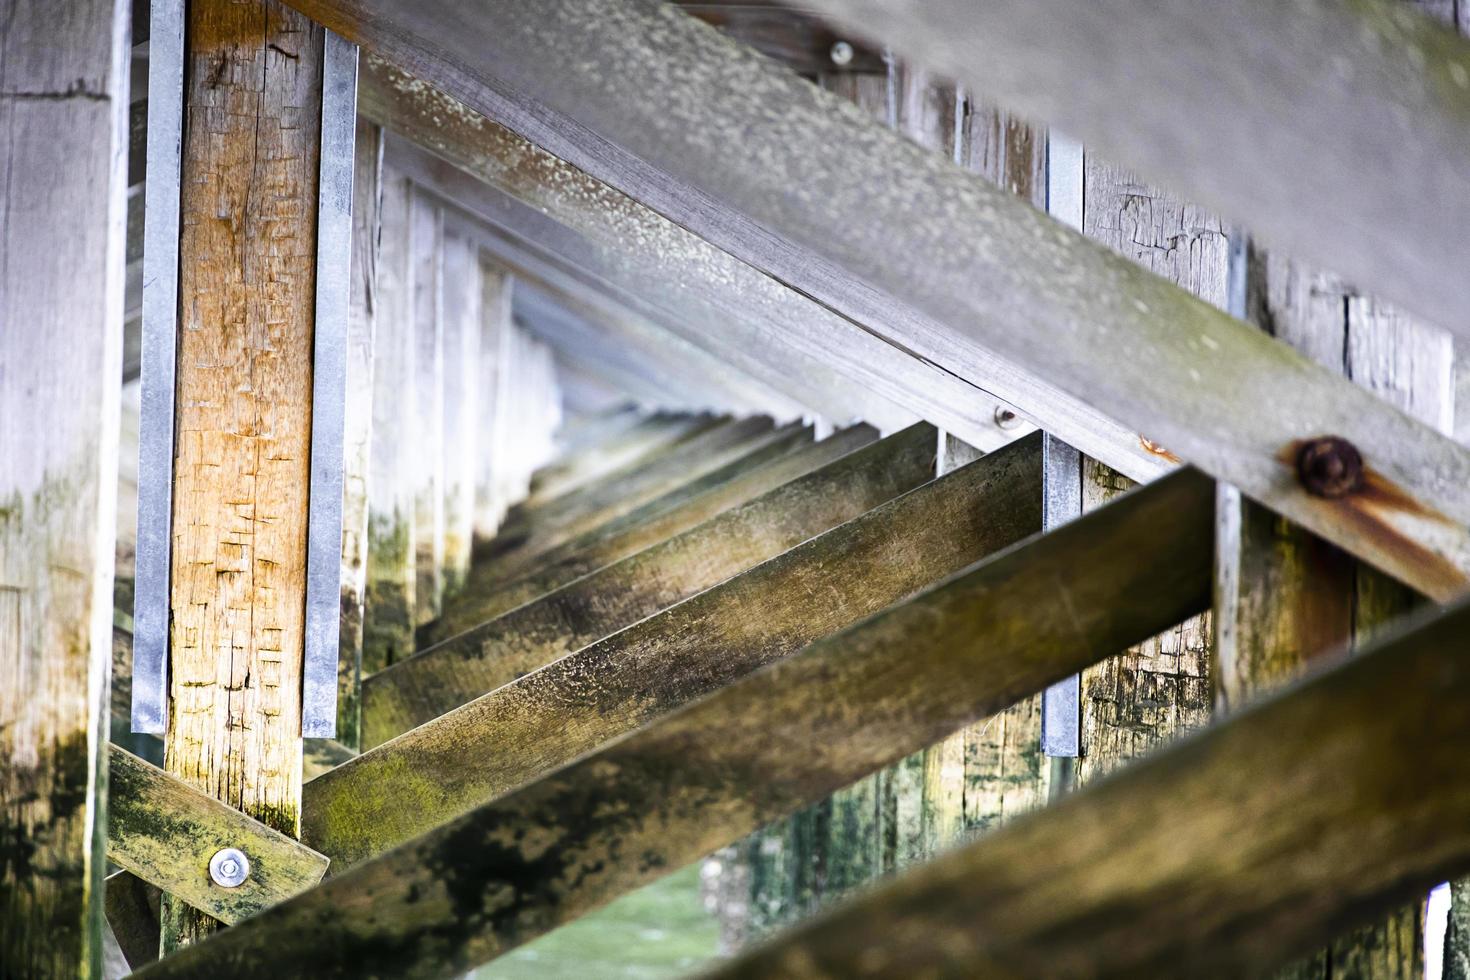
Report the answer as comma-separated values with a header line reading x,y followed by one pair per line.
x,y
1329,466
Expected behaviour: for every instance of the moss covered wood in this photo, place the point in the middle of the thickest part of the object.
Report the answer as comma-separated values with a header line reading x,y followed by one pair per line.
x,y
1361,808
358,423
63,141
598,605
786,456
165,832
252,104
1210,389
679,788
551,716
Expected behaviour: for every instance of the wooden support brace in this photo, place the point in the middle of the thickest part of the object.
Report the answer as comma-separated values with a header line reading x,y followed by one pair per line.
x,y
165,832
551,716
986,286
592,608
679,788
1282,826
653,435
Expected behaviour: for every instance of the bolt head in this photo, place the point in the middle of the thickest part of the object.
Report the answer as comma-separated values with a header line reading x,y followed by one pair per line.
x,y
1006,419
842,54
1330,467
229,867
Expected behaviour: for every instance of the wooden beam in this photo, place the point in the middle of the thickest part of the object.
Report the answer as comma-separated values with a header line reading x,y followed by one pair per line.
x,y
165,832
677,789
796,38
63,141
652,435
495,318
1360,809
132,912
358,424
555,714
1049,304
462,436
734,313
426,411
588,610
784,457
252,103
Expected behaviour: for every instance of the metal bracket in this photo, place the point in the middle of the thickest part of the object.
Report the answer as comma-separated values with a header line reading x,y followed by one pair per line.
x,y
329,388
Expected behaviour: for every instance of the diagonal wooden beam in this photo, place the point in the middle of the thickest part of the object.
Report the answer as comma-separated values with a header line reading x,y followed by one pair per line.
x,y
567,708
484,599
678,789
592,608
700,500
952,268
1277,830
165,832
651,435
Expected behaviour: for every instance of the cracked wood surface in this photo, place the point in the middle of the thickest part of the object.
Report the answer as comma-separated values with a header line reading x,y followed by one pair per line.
x,y
1362,806
252,107
676,790
461,669
63,144
816,191
568,707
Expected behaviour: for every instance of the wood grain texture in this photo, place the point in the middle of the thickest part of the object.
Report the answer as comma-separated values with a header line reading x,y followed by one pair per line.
x,y
426,434
681,787
669,97
63,143
462,446
391,578
495,298
1360,810
595,607
780,460
358,424
165,831
548,717
252,108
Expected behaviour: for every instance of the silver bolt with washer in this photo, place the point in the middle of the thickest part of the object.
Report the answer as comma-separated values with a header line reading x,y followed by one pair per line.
x,y
842,54
229,867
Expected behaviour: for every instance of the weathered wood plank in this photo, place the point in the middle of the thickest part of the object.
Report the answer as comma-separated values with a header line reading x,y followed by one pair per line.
x,y
132,912
598,605
495,299
252,118
165,832
680,788
652,435
677,511
565,519
565,709
1049,303
391,577
795,38
426,281
1362,809
63,145
462,444
357,414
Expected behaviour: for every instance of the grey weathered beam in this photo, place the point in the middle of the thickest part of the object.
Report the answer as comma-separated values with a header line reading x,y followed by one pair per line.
x,y
780,460
783,175
549,717
677,789
1282,826
651,435
564,229
165,832
461,669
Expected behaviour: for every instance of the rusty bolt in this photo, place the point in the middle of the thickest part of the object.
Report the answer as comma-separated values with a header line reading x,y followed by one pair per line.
x,y
1006,419
1329,466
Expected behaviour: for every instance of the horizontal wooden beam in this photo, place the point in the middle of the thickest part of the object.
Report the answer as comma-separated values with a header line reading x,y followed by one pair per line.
x,y
958,271
796,38
1337,130
577,245
1257,841
461,669
165,832
483,599
549,717
782,737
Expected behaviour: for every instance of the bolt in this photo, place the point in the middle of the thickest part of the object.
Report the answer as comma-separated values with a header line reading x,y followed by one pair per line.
x,y
842,54
229,867
1329,466
1006,419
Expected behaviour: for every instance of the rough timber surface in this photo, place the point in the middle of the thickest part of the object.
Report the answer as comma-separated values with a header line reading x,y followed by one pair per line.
x,y
652,101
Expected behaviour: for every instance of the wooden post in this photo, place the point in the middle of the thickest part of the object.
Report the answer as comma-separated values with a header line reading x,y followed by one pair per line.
x,y
358,426
462,445
63,143
392,581
426,434
253,75
496,287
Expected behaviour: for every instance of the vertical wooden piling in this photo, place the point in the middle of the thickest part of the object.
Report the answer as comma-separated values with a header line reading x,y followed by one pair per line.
x,y
495,294
462,445
63,142
426,432
358,426
253,73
